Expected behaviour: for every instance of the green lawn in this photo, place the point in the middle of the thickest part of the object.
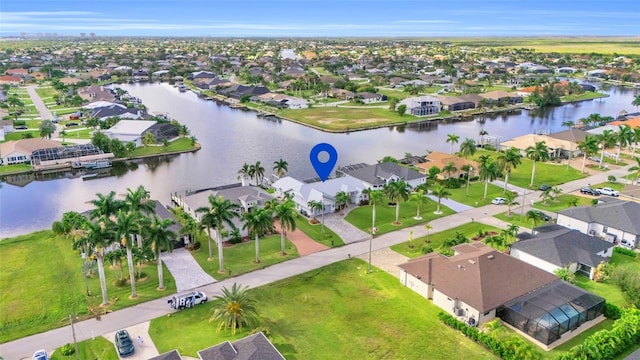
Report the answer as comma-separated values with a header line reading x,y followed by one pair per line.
x,y
100,348
562,203
614,185
335,312
79,133
469,230
178,145
240,257
314,231
5,169
360,217
43,263
515,218
19,135
587,95
606,288
476,191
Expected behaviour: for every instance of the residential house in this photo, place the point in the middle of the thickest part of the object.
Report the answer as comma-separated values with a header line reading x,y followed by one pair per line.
x,y
573,135
555,247
502,97
369,98
21,73
615,221
114,110
341,94
19,151
96,93
130,130
171,355
256,346
440,160
6,126
558,148
454,103
162,213
378,175
11,80
422,105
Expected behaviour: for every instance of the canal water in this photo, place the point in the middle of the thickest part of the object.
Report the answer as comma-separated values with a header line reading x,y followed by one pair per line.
x,y
231,137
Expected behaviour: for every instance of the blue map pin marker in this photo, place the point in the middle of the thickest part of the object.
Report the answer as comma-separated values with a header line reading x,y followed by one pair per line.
x,y
323,169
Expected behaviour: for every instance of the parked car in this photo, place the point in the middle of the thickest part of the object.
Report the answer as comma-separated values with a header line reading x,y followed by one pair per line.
x,y
71,124
124,343
544,216
589,191
40,355
21,127
187,300
608,191
544,187
498,201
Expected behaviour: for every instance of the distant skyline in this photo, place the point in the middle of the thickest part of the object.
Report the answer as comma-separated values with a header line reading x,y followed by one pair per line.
x,y
327,18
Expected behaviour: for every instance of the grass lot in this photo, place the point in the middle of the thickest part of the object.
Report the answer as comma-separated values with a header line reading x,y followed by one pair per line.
x,y
360,217
476,190
435,240
329,237
239,257
43,263
19,135
562,203
178,145
399,94
606,288
100,348
79,133
46,91
622,46
546,173
587,95
336,312
614,185
5,169
515,218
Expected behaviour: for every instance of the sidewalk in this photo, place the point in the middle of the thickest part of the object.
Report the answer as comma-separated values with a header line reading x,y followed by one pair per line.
x,y
44,112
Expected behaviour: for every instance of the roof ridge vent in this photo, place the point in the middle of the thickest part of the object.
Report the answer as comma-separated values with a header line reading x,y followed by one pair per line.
x,y
490,257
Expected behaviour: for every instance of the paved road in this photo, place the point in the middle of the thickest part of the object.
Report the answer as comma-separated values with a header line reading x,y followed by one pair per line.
x,y
44,112
24,348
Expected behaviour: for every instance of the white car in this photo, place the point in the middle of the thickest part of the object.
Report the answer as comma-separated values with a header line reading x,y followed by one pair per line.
x,y
608,191
498,201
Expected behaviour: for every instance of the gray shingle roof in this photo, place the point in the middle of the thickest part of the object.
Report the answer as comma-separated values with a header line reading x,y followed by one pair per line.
x,y
376,174
621,215
252,347
171,355
562,246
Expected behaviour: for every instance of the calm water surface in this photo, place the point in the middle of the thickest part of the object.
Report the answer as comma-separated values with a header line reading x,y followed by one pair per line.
x,y
231,137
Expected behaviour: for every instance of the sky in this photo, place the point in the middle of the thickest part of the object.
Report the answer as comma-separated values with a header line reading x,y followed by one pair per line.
x,y
330,18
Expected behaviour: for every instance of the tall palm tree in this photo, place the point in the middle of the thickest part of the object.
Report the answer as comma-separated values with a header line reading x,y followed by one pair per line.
x,y
221,212
427,227
468,148
539,152
105,206
441,193
244,171
420,200
510,200
126,226
286,213
234,309
138,201
569,124
158,235
508,160
488,171
588,146
636,101
512,230
207,221
375,197
314,206
452,139
636,139
535,217
636,168
449,168
258,222
625,138
483,133
100,235
606,140
467,169
281,167
397,191
258,171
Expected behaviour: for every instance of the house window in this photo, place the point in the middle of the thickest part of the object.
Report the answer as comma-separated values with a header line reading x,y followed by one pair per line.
x,y
605,228
487,313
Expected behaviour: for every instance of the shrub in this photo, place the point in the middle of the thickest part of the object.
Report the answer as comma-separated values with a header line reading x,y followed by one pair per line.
x,y
566,275
602,272
625,251
427,249
474,178
612,311
19,122
611,178
197,245
629,283
67,349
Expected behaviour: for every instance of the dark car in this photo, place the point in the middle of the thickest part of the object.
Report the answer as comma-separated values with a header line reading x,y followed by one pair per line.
x,y
543,215
589,191
124,343
544,187
71,124
21,127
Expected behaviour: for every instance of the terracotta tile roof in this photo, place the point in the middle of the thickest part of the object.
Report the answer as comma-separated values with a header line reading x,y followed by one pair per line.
x,y
633,123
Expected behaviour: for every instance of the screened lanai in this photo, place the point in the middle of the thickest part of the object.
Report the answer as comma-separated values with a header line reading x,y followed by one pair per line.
x,y
64,152
551,311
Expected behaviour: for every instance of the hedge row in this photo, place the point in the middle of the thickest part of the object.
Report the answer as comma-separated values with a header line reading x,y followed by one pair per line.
x,y
512,348
607,344
624,251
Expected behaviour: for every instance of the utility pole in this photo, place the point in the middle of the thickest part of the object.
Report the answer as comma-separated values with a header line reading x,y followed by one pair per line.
x,y
75,342
524,197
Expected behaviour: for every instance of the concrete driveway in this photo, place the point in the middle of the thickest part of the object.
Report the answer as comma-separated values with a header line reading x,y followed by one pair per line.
x,y
145,349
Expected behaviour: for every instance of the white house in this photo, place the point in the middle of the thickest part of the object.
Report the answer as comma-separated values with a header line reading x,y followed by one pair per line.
x,y
129,130
378,175
422,105
615,221
18,152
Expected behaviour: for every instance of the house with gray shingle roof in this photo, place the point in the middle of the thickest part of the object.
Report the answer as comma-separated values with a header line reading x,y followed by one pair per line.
x,y
171,355
615,221
555,247
378,175
252,347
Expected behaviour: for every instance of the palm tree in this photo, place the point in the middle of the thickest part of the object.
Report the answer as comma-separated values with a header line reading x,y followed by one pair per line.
x,y
510,200
427,227
100,235
508,160
625,138
546,196
606,140
126,226
555,192
535,216
397,191
138,201
483,133
47,128
449,168
15,102
420,201
220,212
286,213
636,101
588,146
281,167
244,171
636,139
440,192
375,197
315,206
342,199
158,235
636,168
207,221
569,124
488,171
468,148
512,230
105,206
258,171
452,139
467,169
258,222
539,152
234,309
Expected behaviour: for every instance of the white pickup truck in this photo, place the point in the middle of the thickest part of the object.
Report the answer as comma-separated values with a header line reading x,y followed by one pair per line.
x,y
608,191
187,300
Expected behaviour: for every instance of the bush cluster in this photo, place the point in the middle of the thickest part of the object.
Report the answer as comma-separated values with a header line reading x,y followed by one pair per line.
x,y
624,251
612,311
67,349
